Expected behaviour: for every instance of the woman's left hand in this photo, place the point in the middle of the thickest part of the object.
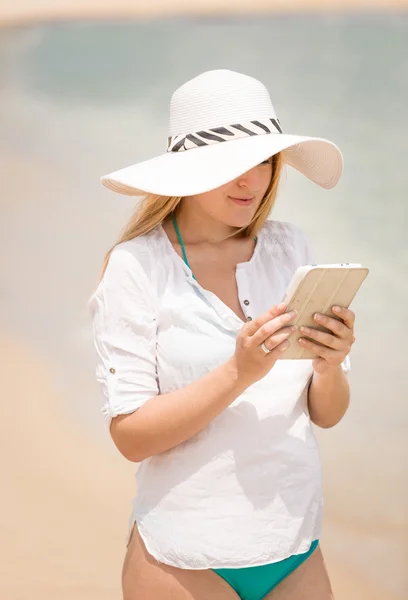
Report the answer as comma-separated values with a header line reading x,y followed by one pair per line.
x,y
331,348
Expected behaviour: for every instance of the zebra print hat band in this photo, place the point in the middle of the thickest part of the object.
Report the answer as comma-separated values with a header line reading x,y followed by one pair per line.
x,y
180,143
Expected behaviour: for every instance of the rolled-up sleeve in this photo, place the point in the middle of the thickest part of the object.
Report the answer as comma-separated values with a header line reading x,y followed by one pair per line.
x,y
124,333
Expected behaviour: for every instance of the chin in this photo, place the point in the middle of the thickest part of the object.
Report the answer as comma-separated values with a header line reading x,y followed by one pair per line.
x,y
240,222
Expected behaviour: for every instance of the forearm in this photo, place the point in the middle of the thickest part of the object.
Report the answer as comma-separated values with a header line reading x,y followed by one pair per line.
x,y
170,419
328,397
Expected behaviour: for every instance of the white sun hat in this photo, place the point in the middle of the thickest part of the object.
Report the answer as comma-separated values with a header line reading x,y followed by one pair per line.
x,y
222,124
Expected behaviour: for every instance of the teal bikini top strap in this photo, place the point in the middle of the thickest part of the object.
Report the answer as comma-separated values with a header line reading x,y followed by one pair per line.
x,y
180,241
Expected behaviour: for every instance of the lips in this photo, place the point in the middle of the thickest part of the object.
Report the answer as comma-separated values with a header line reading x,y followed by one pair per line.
x,y
242,201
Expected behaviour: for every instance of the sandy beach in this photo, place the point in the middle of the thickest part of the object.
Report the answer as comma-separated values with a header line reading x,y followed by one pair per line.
x,y
26,11
60,539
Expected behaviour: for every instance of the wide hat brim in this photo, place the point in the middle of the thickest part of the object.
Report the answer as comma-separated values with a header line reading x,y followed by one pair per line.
x,y
206,168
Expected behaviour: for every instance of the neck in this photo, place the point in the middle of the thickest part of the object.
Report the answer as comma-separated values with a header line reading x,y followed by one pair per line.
x,y
198,227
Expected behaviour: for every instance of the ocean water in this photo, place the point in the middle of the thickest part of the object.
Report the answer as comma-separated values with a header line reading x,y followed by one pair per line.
x,y
80,100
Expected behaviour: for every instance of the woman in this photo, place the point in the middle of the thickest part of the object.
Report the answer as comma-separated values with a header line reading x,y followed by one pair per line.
x,y
189,330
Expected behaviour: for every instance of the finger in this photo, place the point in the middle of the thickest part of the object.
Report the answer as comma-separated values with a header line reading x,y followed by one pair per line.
x,y
326,339
280,336
322,351
252,326
279,349
272,327
346,315
337,327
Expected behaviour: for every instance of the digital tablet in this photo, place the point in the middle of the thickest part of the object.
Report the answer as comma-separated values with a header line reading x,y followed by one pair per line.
x,y
317,288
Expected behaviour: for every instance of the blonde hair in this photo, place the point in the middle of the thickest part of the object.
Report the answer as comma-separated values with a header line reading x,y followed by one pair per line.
x,y
154,209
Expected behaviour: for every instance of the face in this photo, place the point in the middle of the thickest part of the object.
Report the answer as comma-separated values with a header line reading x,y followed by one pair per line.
x,y
236,202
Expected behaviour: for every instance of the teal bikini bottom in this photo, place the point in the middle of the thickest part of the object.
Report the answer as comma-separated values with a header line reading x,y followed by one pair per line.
x,y
254,583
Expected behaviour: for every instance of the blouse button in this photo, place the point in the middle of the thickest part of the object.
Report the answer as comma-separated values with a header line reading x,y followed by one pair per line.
x,y
112,370
249,318
246,302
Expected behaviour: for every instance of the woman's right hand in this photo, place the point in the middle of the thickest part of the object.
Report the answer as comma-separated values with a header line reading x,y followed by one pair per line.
x,y
272,328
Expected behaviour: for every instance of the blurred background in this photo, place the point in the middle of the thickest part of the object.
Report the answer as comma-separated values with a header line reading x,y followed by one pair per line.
x,y
84,90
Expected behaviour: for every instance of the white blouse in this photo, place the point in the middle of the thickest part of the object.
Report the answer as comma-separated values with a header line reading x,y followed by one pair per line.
x,y
247,489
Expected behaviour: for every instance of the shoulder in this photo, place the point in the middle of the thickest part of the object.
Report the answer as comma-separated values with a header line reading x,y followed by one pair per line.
x,y
282,237
282,231
135,257
129,273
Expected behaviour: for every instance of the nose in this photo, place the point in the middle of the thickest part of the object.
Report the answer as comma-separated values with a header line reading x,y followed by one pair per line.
x,y
250,180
